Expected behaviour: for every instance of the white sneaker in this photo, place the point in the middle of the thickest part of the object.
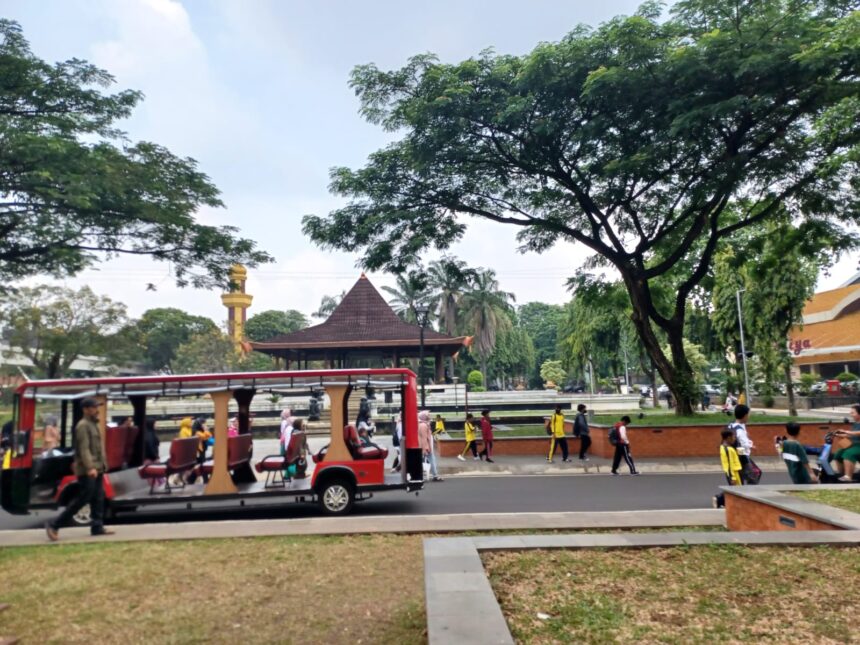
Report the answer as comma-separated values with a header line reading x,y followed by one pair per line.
x,y
475,459
461,458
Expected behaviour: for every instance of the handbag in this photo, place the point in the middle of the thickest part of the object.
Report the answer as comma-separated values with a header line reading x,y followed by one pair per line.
x,y
752,473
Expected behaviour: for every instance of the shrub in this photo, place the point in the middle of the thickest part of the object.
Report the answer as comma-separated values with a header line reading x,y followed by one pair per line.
x,y
844,377
476,381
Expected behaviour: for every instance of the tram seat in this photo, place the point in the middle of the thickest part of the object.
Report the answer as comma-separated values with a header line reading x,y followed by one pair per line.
x,y
183,457
130,443
115,440
359,451
277,467
239,449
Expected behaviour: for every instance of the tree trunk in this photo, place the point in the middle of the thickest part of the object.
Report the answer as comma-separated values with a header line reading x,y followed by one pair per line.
x,y
678,380
484,372
789,391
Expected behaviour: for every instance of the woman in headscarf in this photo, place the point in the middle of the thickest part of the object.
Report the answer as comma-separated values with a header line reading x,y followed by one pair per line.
x,y
425,440
286,428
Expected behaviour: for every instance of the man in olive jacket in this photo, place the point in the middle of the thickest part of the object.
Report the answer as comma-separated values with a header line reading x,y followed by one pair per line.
x,y
90,464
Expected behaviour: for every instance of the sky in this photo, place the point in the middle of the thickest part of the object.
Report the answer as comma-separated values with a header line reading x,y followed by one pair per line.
x,y
257,92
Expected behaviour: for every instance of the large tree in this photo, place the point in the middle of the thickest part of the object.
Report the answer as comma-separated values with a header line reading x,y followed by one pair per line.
x,y
73,190
541,322
267,324
649,140
54,326
162,330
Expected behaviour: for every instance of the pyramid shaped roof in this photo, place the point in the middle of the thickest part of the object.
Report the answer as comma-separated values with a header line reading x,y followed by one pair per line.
x,y
363,319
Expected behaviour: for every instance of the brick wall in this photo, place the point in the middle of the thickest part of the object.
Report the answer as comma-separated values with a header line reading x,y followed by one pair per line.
x,y
650,442
749,515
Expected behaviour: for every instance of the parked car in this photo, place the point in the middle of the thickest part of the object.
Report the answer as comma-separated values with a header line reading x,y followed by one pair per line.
x,y
818,388
574,388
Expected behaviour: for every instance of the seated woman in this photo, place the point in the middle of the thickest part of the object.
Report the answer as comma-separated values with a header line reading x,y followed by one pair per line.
x,y
52,435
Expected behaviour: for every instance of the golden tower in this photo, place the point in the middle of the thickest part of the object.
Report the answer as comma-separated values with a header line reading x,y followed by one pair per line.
x,y
237,303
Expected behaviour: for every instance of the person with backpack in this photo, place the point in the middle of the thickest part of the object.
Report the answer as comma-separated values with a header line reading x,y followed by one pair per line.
x,y
618,438
556,435
730,463
744,445
486,436
471,441
580,429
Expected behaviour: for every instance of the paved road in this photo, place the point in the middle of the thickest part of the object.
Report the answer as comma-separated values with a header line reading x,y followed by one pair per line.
x,y
490,494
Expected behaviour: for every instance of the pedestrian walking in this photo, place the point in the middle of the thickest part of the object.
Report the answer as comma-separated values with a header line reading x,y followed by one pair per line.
x,y
425,440
744,445
486,436
580,429
396,440
471,439
619,439
556,435
730,462
89,467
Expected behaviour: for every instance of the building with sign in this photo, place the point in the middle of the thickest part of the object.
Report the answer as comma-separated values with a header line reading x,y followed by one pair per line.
x,y
828,342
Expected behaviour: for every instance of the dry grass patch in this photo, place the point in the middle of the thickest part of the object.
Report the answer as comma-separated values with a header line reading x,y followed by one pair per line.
x,y
338,589
848,500
696,594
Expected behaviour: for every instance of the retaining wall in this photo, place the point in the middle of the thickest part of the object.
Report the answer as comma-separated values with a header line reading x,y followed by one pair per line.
x,y
653,441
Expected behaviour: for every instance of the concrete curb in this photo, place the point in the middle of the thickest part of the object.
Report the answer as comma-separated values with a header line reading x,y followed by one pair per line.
x,y
374,524
458,590
454,468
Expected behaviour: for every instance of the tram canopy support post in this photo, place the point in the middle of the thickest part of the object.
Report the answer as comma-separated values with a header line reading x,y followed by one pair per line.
x,y
220,483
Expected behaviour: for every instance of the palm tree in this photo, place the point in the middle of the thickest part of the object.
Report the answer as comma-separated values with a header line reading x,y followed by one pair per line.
x,y
447,280
485,309
328,305
410,292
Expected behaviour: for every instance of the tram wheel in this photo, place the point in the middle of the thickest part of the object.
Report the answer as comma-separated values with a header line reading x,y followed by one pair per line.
x,y
337,497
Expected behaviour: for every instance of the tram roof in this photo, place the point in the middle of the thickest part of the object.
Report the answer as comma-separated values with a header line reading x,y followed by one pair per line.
x,y
176,385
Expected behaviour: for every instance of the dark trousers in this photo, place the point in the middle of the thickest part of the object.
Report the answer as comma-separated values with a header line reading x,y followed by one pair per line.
x,y
584,444
557,441
488,450
473,446
91,490
622,451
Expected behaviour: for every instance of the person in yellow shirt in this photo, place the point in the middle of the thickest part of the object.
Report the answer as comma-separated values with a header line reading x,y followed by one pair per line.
x,y
438,426
731,464
556,435
471,440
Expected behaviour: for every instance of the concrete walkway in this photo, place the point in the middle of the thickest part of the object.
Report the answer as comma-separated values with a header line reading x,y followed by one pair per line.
x,y
375,524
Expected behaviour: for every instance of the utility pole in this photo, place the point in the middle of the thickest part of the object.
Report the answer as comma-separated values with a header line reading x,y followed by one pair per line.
x,y
743,348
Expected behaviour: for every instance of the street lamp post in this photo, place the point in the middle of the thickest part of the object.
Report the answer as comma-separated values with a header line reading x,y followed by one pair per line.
x,y
422,311
456,404
743,347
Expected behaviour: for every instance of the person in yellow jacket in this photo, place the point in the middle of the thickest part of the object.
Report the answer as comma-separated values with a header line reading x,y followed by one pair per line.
x,y
731,464
471,440
185,430
438,426
556,435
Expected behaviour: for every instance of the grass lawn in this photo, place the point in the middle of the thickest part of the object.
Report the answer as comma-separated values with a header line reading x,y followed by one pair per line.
x,y
848,500
339,589
700,594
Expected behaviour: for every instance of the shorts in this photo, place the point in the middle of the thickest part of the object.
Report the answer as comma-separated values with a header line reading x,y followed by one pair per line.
x,y
851,453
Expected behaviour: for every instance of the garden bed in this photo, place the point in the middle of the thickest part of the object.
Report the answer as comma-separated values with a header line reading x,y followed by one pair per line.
x,y
700,594
848,500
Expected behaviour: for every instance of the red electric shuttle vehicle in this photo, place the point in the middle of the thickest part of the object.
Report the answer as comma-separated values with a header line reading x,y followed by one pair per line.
x,y
343,472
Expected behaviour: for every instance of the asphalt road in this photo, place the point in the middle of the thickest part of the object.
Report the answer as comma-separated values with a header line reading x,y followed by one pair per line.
x,y
484,494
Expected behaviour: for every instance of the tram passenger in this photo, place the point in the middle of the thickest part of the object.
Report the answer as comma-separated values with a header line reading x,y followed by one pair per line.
x,y
185,428
52,435
396,440
233,428
204,437
286,429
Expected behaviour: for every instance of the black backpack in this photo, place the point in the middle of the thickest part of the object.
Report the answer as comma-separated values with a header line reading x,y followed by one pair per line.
x,y
614,436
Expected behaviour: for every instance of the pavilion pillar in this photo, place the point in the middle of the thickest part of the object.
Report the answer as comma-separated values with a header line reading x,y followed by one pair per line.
x,y
396,358
439,364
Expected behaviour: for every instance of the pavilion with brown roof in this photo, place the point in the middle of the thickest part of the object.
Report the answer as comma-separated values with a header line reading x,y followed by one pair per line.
x,y
362,327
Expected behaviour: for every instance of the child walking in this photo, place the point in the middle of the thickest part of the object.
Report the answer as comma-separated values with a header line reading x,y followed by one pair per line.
x,y
486,436
731,464
557,438
622,446
471,442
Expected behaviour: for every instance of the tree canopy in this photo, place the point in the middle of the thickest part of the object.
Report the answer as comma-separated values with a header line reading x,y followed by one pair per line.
x,y
74,190
54,326
162,330
267,324
650,140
